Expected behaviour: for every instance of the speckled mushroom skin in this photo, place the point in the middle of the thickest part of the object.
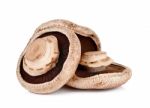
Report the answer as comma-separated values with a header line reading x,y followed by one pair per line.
x,y
67,74
102,81
69,65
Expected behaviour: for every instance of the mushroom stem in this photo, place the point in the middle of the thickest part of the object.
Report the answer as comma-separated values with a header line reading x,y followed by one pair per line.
x,y
41,56
95,60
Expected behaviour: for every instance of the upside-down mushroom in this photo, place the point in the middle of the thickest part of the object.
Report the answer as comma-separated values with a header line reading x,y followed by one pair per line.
x,y
50,59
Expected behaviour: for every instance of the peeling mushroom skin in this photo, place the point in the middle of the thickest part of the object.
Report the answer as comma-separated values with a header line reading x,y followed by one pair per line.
x,y
50,59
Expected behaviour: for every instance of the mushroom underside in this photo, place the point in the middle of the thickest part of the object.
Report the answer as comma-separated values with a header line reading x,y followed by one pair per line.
x,y
63,43
112,68
87,44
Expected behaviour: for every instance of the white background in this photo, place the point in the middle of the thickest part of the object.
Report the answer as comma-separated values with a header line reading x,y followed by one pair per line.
x,y
123,27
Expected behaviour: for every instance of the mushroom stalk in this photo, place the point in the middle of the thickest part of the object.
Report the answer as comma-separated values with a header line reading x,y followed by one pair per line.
x,y
41,56
95,59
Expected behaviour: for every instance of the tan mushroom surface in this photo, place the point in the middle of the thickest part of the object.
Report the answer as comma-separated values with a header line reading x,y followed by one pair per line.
x,y
98,71
49,59
88,38
61,52
41,56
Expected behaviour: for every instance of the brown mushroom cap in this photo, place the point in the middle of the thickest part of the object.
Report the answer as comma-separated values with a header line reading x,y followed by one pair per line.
x,y
73,40
89,43
97,71
110,77
68,60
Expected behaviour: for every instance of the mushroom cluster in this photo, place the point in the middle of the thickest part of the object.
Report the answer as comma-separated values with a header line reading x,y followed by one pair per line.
x,y
63,53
